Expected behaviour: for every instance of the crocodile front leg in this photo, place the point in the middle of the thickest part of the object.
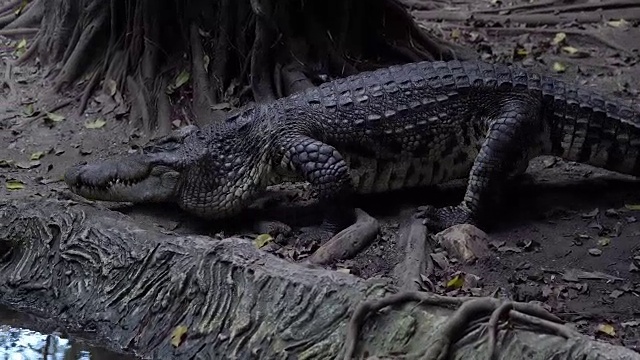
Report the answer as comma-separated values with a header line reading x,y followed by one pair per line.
x,y
325,169
513,135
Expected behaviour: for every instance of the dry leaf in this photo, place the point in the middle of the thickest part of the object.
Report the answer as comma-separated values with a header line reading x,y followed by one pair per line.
x,y
112,86
607,329
605,241
618,23
559,38
95,124
632,207
55,117
37,155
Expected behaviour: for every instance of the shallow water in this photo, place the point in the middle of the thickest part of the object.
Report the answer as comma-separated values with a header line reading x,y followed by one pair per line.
x,y
19,342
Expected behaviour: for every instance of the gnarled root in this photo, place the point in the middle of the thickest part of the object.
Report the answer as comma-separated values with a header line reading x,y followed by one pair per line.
x,y
236,51
417,261
454,329
348,242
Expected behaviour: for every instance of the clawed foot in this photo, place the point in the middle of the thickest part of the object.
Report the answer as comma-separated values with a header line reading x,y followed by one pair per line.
x,y
312,237
438,219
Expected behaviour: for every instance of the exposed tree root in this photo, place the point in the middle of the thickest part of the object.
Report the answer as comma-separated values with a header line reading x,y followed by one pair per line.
x,y
19,31
273,49
348,242
10,6
458,324
31,16
88,90
31,50
417,261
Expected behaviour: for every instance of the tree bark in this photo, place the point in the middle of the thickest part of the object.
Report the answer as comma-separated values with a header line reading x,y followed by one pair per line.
x,y
96,270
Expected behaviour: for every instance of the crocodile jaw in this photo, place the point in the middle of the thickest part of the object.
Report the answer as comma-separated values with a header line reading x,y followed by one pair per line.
x,y
131,179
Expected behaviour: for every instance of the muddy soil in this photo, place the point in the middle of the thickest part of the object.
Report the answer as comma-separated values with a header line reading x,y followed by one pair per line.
x,y
569,235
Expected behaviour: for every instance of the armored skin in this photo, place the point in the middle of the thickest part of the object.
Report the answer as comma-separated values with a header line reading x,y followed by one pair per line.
x,y
399,127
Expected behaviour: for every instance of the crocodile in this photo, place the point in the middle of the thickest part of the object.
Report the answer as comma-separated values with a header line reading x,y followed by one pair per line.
x,y
403,126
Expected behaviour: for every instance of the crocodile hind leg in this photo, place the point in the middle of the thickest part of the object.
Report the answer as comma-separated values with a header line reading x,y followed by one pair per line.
x,y
325,169
515,134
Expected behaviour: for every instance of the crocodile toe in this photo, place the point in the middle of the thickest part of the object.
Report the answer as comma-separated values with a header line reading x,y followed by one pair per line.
x,y
438,219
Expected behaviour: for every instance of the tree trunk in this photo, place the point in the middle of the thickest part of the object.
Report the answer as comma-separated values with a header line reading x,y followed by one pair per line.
x,y
233,52
167,296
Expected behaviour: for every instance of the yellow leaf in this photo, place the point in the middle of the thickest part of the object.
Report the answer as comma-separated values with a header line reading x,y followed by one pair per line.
x,y
95,124
559,67
522,52
607,329
618,23
604,241
14,185
632,207
569,49
54,117
456,282
37,155
179,335
20,8
262,240
560,37
455,33
21,47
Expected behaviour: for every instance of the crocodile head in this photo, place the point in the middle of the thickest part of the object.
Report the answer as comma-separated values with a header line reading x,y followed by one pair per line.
x,y
210,173
151,176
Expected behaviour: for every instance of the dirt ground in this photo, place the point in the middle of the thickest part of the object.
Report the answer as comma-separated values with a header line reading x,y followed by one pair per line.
x,y
570,237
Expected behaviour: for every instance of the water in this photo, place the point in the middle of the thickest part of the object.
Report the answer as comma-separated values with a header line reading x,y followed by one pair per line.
x,y
19,342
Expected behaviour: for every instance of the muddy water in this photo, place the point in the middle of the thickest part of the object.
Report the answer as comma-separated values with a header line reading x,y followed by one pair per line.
x,y
19,342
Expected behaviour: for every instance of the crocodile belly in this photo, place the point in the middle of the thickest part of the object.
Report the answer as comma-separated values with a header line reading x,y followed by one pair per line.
x,y
371,175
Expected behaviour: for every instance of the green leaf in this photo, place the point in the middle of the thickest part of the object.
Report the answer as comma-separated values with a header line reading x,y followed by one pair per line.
x,y
456,282
95,124
14,185
178,335
29,111
181,79
21,47
20,8
37,155
262,240
55,117
559,67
